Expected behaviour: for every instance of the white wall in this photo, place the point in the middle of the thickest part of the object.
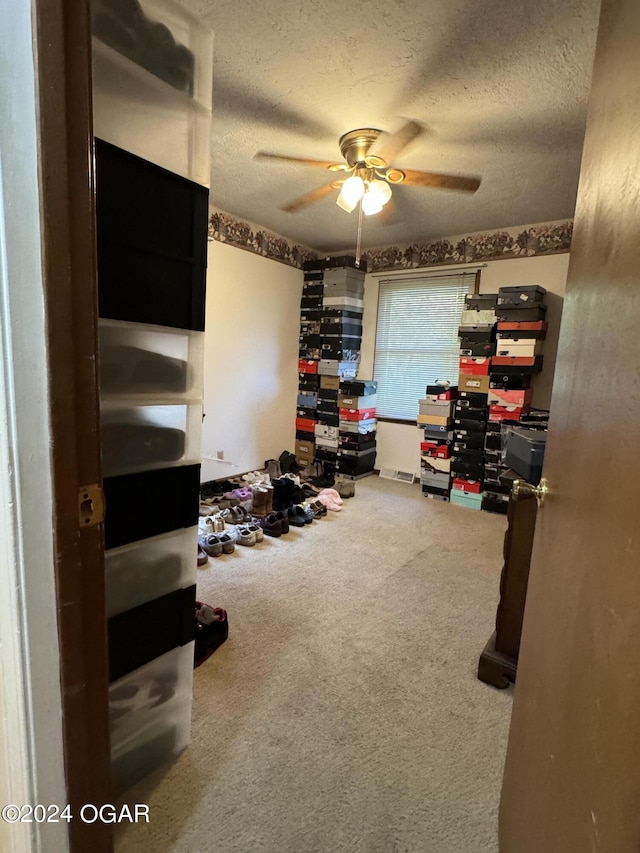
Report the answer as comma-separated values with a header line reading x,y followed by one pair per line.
x,y
251,360
398,444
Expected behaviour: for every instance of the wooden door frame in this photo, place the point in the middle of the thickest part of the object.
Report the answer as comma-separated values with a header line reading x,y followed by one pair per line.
x,y
62,35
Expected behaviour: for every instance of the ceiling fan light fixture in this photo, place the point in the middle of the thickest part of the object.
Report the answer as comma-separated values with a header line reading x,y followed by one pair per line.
x,y
351,193
380,190
371,204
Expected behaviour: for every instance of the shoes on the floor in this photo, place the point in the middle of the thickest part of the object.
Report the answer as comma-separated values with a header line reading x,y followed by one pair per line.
x,y
244,536
211,524
211,544
235,515
284,521
254,527
262,499
272,468
346,488
296,516
330,501
317,507
271,525
228,543
242,493
309,514
203,558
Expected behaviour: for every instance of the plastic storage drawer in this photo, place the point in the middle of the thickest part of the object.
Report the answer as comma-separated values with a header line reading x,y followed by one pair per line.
x,y
140,438
154,362
150,716
152,83
139,572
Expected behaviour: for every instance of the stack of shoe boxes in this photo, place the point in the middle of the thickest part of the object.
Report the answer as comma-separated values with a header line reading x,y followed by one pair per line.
x,y
436,419
330,340
471,411
151,69
521,331
357,427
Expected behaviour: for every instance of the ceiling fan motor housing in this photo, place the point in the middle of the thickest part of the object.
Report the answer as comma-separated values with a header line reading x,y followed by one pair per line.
x,y
355,144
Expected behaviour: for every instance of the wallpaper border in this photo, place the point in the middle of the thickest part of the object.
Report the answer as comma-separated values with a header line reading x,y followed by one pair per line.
x,y
521,241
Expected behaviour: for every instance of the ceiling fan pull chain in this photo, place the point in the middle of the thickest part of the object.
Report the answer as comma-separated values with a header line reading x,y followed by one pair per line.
x,y
359,241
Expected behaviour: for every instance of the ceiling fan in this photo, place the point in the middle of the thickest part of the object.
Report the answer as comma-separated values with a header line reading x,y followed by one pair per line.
x,y
369,153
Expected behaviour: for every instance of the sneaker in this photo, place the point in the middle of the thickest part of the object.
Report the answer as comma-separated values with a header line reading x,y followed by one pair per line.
x,y
272,467
244,536
254,527
210,544
283,519
271,525
228,543
309,514
203,558
296,516
346,488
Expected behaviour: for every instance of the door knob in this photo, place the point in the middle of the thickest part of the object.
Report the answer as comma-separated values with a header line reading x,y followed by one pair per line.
x,y
522,489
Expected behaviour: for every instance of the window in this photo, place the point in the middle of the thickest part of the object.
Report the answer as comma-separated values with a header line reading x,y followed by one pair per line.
x,y
417,338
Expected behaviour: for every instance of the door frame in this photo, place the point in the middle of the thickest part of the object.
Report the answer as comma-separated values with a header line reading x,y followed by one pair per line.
x,y
53,642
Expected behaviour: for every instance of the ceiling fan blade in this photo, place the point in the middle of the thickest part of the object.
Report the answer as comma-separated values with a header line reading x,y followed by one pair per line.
x,y
388,146
303,161
464,183
311,197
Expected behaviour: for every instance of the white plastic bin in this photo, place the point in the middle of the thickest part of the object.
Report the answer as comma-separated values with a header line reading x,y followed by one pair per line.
x,y
149,362
152,81
150,716
148,569
140,438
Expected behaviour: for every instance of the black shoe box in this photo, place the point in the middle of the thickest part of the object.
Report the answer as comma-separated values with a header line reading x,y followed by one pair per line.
x,y
507,382
356,440
326,454
312,414
467,470
355,465
473,398
301,435
469,440
358,387
314,275
341,315
481,301
506,370
467,410
328,418
441,494
313,303
521,294
313,288
310,353
310,340
473,456
469,425
340,352
493,441
521,313
313,265
330,395
310,328
340,329
308,382
495,502
345,261
476,334
484,348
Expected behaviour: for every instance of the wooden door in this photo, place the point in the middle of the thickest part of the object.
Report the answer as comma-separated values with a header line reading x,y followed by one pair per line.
x,y
572,774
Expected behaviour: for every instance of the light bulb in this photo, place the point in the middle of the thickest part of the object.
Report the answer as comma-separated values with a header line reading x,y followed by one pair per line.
x,y
380,190
351,193
371,204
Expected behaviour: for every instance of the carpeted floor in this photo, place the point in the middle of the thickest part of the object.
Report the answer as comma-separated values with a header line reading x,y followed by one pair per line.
x,y
343,714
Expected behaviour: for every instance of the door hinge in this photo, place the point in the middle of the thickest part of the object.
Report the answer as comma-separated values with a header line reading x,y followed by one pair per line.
x,y
90,505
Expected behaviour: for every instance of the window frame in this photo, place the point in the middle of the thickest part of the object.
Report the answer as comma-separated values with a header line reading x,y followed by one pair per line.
x,y
414,275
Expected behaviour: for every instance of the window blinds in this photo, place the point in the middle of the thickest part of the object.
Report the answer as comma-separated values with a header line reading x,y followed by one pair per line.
x,y
417,338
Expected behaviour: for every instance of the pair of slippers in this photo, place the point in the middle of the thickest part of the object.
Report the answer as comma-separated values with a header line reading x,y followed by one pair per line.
x,y
331,499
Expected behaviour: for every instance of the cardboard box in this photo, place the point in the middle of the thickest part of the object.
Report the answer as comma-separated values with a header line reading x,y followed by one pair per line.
x,y
357,414
434,465
466,499
305,450
515,397
307,366
477,365
351,402
444,422
306,424
470,486
330,382
519,347
434,448
469,382
331,433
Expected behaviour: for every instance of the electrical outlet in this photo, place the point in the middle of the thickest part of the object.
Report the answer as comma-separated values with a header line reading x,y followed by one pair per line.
x,y
219,454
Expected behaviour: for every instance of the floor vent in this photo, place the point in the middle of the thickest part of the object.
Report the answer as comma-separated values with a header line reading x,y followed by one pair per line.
x,y
394,474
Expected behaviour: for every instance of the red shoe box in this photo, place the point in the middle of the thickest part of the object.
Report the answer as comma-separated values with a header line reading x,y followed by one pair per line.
x,y
509,413
475,366
472,486
514,361
305,366
537,326
432,448
357,414
305,424
510,397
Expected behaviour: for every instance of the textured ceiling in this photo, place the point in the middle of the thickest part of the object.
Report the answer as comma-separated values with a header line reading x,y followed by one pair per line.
x,y
502,86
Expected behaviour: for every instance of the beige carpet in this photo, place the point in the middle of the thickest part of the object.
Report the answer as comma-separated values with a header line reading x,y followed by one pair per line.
x,y
343,714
